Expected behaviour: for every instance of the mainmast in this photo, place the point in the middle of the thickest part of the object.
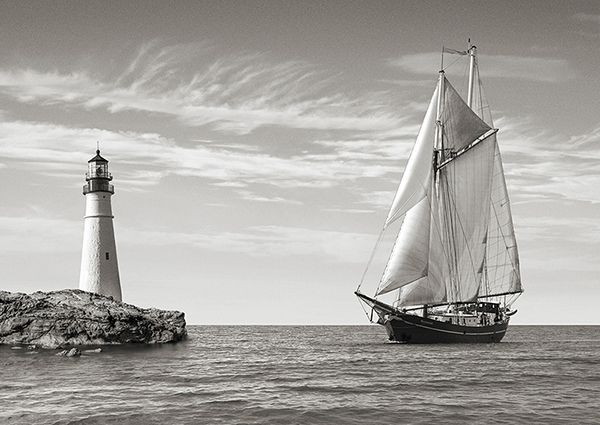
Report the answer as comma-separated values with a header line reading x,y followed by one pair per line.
x,y
472,52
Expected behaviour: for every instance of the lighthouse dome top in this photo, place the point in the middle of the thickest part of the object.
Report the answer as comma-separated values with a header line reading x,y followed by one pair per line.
x,y
97,158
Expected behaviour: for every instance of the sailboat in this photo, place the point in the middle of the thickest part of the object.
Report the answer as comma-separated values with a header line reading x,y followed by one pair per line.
x,y
454,266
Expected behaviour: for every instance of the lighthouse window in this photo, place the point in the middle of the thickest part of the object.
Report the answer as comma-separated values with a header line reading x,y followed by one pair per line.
x,y
107,256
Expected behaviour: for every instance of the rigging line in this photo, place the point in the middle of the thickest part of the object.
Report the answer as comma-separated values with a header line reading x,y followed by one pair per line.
x,y
391,253
483,100
371,257
452,63
514,298
480,87
365,310
488,288
452,287
445,219
441,180
454,217
437,228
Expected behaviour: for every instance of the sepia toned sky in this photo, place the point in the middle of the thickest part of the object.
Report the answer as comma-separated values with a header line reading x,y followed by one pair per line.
x,y
256,146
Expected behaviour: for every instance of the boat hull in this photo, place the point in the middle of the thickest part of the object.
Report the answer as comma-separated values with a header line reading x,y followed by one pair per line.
x,y
413,329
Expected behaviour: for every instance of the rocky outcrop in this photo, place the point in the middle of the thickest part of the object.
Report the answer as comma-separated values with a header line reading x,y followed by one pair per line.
x,y
74,317
73,352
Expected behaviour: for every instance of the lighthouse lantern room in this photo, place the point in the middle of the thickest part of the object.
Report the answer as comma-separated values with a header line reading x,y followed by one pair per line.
x,y
99,266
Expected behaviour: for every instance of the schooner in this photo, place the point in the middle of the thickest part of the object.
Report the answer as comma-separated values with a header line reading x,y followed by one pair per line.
x,y
454,266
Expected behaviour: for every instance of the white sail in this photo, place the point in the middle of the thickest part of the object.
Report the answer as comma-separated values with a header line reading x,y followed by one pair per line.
x,y
466,182
431,288
460,213
423,291
417,174
410,256
461,125
457,241
502,258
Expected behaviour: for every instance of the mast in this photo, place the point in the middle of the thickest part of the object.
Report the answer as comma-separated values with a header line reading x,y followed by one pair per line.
x,y
438,142
472,52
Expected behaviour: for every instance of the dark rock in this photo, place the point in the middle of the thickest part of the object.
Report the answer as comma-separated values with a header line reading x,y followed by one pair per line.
x,y
74,352
74,317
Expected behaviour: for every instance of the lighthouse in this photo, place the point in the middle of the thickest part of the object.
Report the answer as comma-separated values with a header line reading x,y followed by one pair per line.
x,y
99,267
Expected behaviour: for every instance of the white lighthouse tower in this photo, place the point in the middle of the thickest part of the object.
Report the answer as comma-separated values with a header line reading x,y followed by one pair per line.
x,y
99,267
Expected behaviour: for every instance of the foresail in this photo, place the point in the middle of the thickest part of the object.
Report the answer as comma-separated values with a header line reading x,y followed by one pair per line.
x,y
410,257
502,258
417,174
432,287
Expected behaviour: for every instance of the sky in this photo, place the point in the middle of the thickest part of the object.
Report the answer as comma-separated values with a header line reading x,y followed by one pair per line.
x,y
256,146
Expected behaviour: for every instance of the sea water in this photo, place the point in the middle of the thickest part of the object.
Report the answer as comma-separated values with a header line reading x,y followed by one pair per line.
x,y
310,375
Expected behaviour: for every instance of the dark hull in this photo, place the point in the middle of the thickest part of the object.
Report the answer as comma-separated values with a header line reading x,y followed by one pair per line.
x,y
409,328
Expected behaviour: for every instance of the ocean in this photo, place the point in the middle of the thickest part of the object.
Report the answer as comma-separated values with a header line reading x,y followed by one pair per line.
x,y
311,375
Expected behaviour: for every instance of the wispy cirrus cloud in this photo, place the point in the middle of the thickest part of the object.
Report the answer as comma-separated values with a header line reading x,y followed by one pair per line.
x,y
149,157
541,69
37,232
544,165
235,94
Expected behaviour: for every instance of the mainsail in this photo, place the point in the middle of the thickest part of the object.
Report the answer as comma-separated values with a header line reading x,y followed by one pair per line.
x,y
457,241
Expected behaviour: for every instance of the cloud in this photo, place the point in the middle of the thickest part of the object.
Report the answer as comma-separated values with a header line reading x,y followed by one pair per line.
x,y
146,158
250,196
35,231
544,165
587,17
235,94
497,66
349,210
264,241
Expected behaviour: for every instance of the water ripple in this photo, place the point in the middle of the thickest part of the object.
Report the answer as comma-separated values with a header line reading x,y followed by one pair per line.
x,y
310,375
